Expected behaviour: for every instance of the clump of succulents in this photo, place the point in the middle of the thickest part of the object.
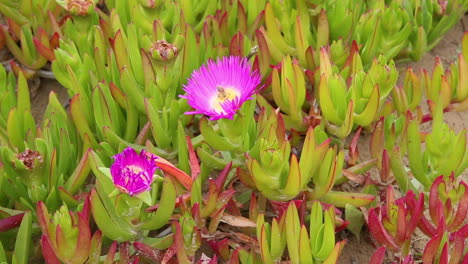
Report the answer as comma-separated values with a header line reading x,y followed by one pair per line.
x,y
224,131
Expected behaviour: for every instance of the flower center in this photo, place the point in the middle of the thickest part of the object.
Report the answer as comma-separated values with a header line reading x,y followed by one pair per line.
x,y
134,169
134,179
224,94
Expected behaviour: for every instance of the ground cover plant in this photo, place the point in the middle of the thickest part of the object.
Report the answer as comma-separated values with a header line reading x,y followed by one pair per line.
x,y
223,131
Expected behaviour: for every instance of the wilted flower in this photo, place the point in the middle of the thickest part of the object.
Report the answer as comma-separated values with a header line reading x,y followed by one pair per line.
x,y
163,50
30,158
78,7
218,89
133,173
149,3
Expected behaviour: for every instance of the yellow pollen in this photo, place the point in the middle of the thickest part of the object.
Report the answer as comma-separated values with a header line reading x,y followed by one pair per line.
x,y
224,94
135,169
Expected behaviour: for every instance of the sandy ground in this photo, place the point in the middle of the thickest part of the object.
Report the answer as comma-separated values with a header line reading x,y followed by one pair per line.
x,y
356,251
40,99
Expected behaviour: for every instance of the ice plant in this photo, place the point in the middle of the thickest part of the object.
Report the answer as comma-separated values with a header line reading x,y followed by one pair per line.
x,y
122,195
444,152
448,202
219,88
448,207
394,223
318,245
133,173
66,235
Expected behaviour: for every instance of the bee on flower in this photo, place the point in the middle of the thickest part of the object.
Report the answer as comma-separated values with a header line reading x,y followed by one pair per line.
x,y
219,88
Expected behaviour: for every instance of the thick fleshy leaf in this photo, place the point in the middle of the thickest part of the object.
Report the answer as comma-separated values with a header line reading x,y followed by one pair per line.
x,y
124,250
169,168
462,209
378,256
326,103
401,224
161,135
444,256
293,228
80,121
83,242
211,200
214,139
80,174
368,114
294,181
95,248
333,257
111,227
148,252
145,197
340,199
48,251
264,243
427,227
278,239
414,153
11,222
44,50
43,218
236,46
273,31
305,255
377,229
180,245
222,177
377,139
311,156
417,210
355,218
328,236
67,197
166,206
193,160
111,253
456,254
23,240
432,247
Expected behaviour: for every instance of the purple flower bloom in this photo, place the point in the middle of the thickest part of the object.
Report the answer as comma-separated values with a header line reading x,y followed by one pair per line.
x,y
218,89
133,173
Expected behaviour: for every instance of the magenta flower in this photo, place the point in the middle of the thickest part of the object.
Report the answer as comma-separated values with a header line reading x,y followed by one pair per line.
x,y
218,89
133,173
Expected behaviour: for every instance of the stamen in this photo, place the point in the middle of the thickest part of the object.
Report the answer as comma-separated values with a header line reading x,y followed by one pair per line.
x,y
223,95
134,168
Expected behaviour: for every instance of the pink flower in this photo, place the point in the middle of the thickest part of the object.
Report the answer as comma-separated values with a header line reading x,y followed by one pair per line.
x,y
133,173
218,89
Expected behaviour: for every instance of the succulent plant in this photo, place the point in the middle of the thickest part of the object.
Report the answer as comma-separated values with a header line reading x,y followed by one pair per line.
x,y
445,227
394,223
228,131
